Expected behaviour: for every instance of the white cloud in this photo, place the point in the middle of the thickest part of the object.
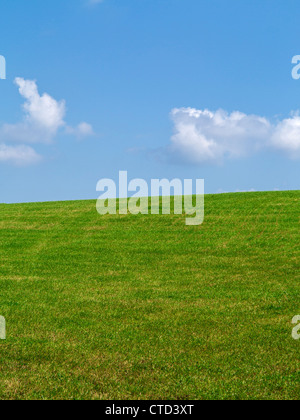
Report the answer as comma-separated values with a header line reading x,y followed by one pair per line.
x,y
43,117
18,155
286,136
82,130
206,136
43,111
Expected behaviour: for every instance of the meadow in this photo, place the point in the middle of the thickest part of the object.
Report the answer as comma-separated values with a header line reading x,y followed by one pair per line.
x,y
145,307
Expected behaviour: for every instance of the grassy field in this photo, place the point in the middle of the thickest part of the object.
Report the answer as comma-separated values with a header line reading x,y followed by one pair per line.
x,y
143,307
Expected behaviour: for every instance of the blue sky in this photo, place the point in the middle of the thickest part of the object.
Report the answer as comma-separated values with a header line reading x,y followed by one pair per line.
x,y
139,85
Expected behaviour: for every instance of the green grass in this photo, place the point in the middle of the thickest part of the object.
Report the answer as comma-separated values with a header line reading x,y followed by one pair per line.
x,y
144,307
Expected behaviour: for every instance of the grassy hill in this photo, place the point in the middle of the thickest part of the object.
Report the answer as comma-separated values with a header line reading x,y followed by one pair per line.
x,y
122,307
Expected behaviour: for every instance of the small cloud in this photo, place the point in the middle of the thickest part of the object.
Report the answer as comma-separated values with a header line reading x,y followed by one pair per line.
x,y
82,130
246,191
18,155
43,117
